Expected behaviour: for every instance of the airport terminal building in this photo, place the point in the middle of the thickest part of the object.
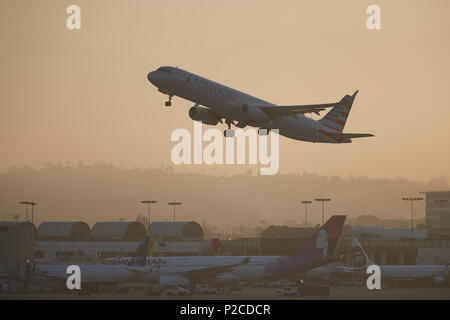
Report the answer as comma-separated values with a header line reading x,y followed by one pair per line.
x,y
437,211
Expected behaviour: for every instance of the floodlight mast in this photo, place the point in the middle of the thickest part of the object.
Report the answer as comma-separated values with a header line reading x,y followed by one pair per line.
x,y
149,202
174,204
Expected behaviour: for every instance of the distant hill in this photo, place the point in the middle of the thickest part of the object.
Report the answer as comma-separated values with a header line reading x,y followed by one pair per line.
x,y
104,192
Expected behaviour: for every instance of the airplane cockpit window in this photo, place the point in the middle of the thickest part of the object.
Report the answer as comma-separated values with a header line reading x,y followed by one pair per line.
x,y
164,70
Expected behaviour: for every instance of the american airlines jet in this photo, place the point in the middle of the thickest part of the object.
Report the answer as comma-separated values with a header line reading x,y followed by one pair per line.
x,y
216,103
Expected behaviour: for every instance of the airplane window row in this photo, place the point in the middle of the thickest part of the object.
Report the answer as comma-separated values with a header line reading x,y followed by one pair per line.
x,y
164,70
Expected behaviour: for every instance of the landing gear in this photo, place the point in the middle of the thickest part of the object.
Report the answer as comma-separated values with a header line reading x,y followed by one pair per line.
x,y
263,131
169,102
229,133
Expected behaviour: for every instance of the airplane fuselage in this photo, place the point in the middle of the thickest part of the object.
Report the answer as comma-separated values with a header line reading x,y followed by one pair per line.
x,y
411,271
157,267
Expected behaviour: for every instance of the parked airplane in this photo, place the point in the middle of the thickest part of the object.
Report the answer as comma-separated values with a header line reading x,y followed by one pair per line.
x,y
435,274
179,271
215,102
94,274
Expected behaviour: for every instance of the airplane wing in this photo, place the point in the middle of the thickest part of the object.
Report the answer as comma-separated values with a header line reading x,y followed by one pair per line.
x,y
277,111
351,135
213,271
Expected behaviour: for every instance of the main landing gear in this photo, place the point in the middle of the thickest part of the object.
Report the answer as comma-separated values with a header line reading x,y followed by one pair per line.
x,y
169,102
228,133
263,131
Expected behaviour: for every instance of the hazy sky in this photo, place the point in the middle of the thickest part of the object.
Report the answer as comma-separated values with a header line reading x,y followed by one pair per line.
x,y
75,95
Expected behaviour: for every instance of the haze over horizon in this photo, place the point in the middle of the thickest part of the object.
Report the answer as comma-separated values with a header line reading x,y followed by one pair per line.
x,y
102,191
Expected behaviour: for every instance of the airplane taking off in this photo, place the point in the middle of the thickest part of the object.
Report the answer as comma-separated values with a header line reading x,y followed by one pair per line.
x,y
216,103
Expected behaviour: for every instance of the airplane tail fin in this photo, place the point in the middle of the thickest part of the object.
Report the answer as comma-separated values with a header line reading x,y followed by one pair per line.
x,y
336,118
325,239
360,257
317,252
219,249
144,250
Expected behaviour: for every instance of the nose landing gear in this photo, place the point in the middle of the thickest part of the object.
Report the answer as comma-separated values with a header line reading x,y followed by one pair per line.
x,y
228,133
169,102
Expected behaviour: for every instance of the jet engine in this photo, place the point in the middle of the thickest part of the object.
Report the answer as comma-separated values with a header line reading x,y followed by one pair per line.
x,y
204,115
167,281
253,113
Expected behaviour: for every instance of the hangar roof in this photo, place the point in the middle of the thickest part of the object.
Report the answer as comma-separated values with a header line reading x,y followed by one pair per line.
x,y
69,230
118,230
175,230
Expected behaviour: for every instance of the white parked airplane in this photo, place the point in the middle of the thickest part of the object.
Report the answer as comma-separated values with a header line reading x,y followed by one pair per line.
x,y
215,102
176,271
436,274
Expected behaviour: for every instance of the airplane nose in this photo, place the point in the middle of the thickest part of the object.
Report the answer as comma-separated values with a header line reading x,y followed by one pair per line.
x,y
149,76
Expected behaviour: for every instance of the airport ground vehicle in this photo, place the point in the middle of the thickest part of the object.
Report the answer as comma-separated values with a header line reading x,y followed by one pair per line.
x,y
283,283
287,292
312,289
204,288
177,291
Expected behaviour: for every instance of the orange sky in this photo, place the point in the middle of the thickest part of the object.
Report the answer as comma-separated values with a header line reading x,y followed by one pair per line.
x,y
83,95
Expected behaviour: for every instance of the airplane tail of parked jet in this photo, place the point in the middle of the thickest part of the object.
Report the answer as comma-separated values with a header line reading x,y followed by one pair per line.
x,y
359,255
337,117
324,241
319,251
219,249
144,250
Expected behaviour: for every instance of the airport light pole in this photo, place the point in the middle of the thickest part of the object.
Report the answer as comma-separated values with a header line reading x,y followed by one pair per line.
x,y
174,204
32,204
412,199
323,200
149,202
306,202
